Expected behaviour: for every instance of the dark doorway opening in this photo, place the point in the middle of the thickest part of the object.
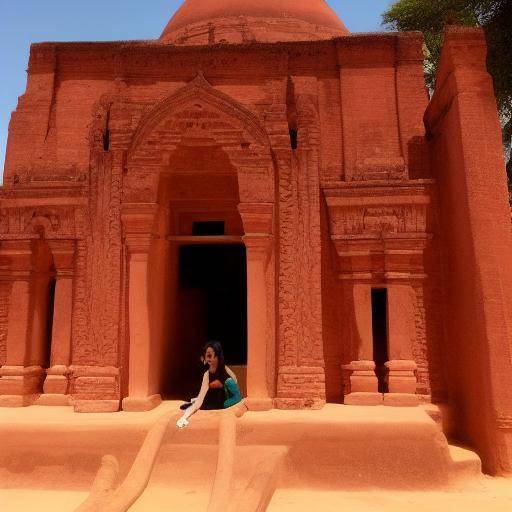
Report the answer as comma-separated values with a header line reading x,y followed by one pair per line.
x,y
380,335
211,305
47,349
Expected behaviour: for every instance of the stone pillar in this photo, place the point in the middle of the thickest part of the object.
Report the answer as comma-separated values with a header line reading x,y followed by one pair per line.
x,y
19,383
56,384
401,335
259,247
138,223
363,381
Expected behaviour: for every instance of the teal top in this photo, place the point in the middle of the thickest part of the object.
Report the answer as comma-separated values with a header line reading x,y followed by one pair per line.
x,y
233,395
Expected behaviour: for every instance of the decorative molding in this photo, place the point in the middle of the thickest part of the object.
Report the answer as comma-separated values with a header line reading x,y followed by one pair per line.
x,y
43,221
198,90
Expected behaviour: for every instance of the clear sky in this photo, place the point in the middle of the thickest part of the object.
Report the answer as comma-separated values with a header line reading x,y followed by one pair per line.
x,y
25,21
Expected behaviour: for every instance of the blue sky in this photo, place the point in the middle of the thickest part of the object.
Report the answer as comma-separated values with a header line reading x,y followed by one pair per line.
x,y
25,21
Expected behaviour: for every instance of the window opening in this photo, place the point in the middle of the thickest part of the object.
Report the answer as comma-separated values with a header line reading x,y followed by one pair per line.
x,y
291,114
380,336
208,228
49,323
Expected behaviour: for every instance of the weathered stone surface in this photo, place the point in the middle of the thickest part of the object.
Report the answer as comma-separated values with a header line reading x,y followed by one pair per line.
x,y
314,155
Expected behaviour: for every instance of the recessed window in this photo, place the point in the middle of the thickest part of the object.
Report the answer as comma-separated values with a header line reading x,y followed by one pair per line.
x,y
208,228
380,335
293,138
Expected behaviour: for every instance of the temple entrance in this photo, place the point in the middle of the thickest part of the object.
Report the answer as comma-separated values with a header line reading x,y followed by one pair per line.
x,y
211,305
198,144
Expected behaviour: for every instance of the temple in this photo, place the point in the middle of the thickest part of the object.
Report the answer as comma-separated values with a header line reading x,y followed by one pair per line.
x,y
261,176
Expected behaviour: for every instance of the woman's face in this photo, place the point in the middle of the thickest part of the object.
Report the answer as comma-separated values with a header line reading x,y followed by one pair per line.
x,y
210,358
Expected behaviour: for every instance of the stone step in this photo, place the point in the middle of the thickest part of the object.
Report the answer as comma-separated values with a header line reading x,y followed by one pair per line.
x,y
466,463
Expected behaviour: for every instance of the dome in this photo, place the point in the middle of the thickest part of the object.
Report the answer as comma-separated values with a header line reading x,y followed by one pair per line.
x,y
236,21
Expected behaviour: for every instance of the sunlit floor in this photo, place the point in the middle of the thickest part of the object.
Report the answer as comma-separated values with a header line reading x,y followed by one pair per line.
x,y
493,495
25,500
47,437
488,495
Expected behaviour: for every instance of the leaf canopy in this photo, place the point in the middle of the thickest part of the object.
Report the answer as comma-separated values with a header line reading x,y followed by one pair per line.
x,y
495,16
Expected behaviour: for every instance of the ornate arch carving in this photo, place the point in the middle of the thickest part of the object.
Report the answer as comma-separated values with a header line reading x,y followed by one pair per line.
x,y
198,89
196,115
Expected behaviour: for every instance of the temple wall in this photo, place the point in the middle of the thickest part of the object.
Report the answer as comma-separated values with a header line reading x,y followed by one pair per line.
x,y
467,156
336,346
331,140
359,104
5,291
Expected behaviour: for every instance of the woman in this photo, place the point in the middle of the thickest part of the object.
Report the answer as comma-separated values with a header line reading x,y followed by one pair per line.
x,y
212,394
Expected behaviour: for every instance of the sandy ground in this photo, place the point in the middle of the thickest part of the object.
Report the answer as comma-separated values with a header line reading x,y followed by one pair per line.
x,y
486,495
480,494
24,500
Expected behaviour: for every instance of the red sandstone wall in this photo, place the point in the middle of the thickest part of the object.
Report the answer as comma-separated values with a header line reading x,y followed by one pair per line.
x,y
5,290
467,158
336,347
361,100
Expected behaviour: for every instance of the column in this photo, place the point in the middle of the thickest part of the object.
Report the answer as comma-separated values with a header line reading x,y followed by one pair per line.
x,y
401,335
19,382
56,384
258,251
138,224
363,381
259,242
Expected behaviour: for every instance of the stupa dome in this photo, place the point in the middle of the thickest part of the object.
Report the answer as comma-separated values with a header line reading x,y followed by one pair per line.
x,y
235,21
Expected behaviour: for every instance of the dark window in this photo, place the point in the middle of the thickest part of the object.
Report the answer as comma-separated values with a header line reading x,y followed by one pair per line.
x,y
208,228
49,323
291,114
293,138
380,335
106,134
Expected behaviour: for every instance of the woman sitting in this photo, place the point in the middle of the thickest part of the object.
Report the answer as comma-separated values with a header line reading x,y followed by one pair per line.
x,y
219,388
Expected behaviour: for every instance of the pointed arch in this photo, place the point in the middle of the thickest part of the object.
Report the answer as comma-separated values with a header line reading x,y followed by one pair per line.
x,y
198,114
199,90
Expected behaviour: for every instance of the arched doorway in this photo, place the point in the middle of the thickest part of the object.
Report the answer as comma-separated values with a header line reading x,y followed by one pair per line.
x,y
198,162
206,288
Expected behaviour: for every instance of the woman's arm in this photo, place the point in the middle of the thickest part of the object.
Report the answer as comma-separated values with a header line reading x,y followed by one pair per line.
x,y
231,373
233,393
183,421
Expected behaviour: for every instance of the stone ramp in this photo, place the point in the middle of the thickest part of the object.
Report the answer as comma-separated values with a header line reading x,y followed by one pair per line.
x,y
337,448
183,477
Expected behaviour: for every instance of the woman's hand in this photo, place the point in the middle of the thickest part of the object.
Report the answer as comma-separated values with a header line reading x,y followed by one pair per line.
x,y
182,422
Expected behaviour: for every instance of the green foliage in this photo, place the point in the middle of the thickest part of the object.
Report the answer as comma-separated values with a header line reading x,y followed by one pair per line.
x,y
495,16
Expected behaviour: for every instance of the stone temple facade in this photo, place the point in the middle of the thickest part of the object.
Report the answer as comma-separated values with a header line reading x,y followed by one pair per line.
x,y
260,175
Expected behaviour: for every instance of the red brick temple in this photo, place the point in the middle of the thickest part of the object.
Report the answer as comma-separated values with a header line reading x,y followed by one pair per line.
x,y
261,176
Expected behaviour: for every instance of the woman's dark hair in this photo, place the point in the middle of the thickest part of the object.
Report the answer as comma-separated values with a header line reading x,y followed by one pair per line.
x,y
217,349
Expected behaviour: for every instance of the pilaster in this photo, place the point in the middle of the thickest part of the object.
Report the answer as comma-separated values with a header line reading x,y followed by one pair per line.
x,y
20,382
56,384
138,220
258,222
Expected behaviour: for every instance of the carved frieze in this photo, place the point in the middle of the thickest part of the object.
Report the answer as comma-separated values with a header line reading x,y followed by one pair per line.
x,y
46,221
380,230
378,211
378,220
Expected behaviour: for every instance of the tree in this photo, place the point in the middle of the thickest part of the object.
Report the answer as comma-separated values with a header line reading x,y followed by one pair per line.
x,y
495,16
